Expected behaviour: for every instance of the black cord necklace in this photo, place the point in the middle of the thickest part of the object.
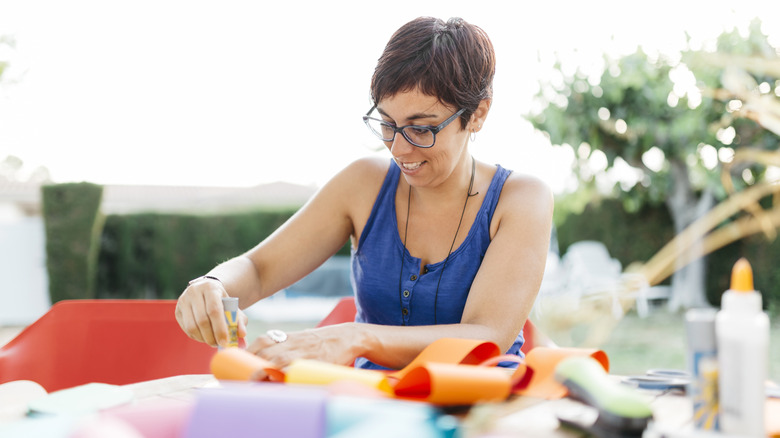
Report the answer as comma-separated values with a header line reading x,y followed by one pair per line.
x,y
452,245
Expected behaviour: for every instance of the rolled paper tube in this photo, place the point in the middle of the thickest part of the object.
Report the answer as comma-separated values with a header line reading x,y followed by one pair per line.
x,y
452,351
448,384
543,360
237,364
314,372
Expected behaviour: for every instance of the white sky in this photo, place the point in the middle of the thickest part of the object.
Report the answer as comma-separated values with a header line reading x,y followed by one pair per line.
x,y
238,93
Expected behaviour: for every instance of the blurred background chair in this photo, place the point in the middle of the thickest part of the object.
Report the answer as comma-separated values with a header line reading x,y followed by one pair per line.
x,y
107,341
345,310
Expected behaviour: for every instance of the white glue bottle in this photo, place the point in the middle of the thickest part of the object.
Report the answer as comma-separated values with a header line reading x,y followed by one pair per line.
x,y
742,331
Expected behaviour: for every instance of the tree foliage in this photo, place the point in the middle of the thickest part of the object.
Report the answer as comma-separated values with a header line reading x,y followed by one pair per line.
x,y
653,113
663,132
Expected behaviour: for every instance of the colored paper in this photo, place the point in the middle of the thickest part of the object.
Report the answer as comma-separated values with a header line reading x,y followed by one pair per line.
x,y
346,412
314,372
159,418
448,384
264,409
237,364
453,351
544,360
15,396
447,372
389,427
52,426
82,399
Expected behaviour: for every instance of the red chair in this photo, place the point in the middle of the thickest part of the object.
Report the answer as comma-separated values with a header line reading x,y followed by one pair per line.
x,y
106,341
345,309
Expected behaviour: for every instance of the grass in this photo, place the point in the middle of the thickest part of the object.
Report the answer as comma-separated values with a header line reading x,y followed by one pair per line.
x,y
658,341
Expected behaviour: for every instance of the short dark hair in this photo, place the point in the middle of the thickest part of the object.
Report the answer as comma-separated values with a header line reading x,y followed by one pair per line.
x,y
453,61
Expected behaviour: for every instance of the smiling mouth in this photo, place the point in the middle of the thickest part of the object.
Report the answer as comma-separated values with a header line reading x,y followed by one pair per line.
x,y
411,166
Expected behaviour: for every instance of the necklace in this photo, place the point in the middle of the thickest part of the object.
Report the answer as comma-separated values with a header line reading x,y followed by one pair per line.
x,y
452,245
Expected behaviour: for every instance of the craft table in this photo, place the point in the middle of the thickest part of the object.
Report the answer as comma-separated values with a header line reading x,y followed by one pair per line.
x,y
518,417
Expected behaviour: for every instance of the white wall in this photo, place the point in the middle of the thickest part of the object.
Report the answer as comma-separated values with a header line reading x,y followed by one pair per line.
x,y
24,283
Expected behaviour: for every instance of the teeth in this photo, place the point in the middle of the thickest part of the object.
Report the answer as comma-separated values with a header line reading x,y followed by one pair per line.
x,y
411,166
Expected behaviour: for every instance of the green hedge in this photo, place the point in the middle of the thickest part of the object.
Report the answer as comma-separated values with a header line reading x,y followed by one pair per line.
x,y
153,255
73,224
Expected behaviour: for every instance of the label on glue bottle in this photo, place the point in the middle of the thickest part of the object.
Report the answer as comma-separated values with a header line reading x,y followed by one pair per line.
x,y
230,304
703,366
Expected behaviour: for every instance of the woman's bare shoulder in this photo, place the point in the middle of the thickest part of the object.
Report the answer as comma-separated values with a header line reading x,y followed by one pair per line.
x,y
363,175
358,183
368,167
526,195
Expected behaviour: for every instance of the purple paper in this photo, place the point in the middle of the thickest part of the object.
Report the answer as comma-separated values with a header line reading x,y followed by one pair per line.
x,y
267,410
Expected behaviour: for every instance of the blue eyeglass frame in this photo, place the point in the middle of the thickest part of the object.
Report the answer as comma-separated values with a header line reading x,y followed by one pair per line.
x,y
434,129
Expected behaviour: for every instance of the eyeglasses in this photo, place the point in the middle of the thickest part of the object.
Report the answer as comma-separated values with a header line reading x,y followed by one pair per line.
x,y
422,136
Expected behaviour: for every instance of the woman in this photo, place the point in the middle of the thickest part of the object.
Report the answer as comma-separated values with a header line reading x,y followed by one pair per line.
x,y
442,245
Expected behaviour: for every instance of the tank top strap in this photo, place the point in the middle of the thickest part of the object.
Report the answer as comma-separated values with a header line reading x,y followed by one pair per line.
x,y
494,192
384,206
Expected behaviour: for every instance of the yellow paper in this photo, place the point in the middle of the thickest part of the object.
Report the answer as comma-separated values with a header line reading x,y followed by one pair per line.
x,y
314,372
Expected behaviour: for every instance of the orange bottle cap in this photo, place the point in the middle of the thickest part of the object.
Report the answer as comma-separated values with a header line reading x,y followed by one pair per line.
x,y
742,276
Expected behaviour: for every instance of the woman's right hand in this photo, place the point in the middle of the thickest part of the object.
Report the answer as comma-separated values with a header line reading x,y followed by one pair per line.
x,y
200,313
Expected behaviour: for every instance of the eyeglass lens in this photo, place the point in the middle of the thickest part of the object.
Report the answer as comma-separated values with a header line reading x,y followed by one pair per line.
x,y
419,136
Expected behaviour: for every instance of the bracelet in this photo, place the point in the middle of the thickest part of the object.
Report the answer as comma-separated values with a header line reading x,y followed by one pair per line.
x,y
204,277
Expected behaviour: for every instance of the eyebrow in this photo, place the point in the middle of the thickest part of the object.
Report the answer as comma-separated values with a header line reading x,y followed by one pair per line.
x,y
416,116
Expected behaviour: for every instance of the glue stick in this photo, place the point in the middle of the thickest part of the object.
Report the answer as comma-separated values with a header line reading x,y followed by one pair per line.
x,y
742,329
230,304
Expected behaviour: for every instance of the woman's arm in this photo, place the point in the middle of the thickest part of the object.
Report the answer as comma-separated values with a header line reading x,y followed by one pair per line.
x,y
316,232
499,301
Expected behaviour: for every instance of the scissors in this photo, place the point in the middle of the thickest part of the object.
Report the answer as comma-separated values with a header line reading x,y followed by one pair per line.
x,y
660,380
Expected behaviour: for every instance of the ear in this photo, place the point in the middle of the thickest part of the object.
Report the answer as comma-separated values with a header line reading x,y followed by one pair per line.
x,y
479,116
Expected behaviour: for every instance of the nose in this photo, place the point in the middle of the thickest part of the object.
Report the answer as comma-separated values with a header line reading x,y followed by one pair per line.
x,y
400,145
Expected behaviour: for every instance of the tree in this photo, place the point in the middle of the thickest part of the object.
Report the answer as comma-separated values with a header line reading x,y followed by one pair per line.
x,y
653,118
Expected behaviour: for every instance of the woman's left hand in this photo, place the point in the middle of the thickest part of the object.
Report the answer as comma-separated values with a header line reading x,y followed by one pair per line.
x,y
334,344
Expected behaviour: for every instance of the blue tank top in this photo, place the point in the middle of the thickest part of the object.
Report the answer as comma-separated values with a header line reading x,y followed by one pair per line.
x,y
376,267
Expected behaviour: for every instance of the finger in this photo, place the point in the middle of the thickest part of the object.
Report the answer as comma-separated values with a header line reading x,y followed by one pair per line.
x,y
203,320
259,345
189,325
216,313
178,315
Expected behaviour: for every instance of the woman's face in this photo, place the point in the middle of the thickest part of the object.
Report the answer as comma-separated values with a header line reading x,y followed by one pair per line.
x,y
424,167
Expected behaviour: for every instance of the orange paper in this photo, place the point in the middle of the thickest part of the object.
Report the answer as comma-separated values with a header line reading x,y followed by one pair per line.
x,y
448,384
234,363
452,351
543,360
447,372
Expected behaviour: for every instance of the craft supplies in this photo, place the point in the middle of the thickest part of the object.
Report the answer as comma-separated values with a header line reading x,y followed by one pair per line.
x,y
230,304
703,366
742,331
